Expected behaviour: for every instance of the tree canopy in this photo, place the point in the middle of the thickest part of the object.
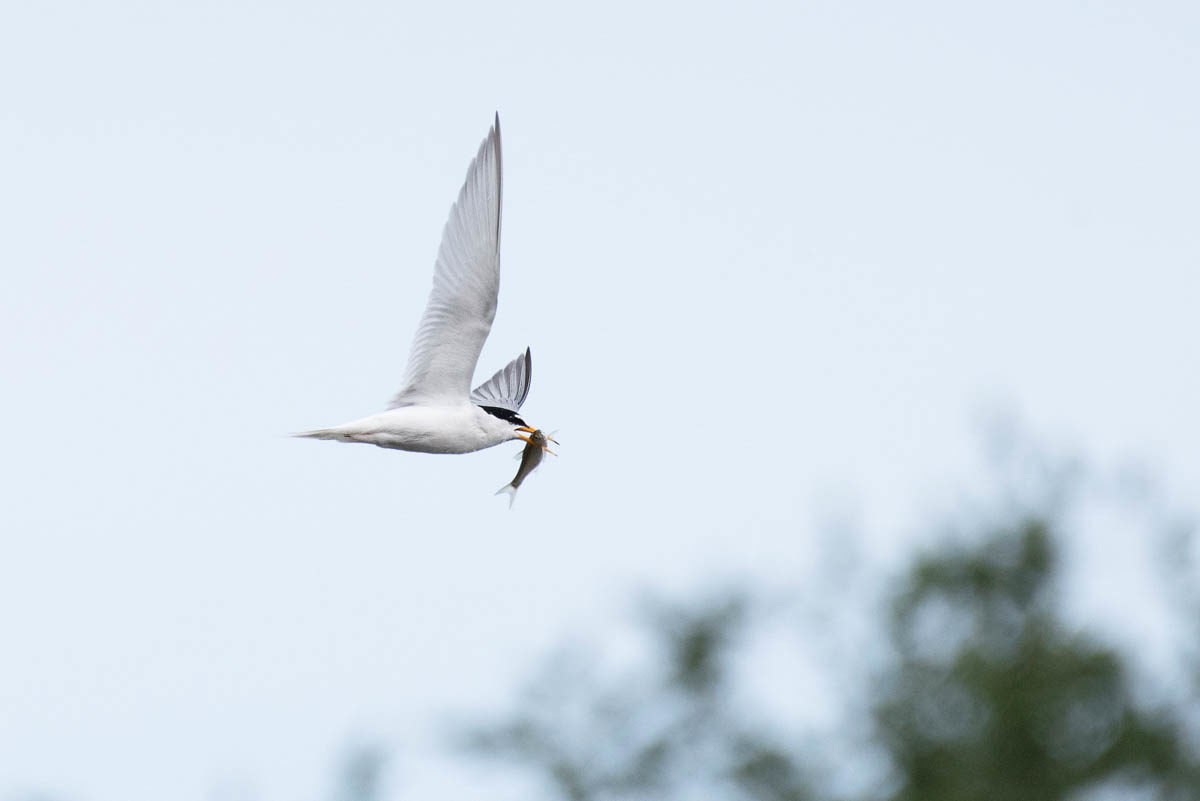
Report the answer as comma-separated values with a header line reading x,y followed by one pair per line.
x,y
985,693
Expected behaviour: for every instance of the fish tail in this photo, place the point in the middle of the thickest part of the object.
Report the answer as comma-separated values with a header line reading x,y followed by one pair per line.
x,y
511,491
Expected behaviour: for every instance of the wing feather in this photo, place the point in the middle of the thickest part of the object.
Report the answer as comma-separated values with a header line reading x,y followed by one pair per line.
x,y
508,387
466,282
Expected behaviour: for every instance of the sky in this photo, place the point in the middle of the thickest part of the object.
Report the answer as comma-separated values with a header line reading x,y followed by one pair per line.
x,y
775,263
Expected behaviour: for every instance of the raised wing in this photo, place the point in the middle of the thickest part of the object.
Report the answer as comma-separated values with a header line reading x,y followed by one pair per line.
x,y
508,387
466,280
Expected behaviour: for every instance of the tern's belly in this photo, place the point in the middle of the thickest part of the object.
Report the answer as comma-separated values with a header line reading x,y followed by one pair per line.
x,y
424,443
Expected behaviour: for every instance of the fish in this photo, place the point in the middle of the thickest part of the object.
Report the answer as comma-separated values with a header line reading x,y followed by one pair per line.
x,y
531,457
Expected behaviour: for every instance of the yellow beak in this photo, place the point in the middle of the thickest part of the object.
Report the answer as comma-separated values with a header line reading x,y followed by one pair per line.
x,y
529,430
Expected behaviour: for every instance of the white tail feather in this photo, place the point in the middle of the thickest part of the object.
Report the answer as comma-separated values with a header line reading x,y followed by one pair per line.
x,y
320,433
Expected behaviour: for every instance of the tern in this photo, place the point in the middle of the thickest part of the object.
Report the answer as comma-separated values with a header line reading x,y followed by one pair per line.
x,y
436,411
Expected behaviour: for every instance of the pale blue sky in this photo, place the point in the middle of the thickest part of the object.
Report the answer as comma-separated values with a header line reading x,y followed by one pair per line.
x,y
772,261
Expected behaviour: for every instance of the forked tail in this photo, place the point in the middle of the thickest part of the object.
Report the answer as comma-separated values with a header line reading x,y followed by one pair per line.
x,y
320,433
511,491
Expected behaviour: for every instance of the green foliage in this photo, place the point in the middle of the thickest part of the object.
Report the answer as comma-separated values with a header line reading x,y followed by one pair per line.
x,y
667,733
1017,707
986,694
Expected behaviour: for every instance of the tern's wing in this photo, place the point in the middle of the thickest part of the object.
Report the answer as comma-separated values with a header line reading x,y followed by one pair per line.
x,y
466,279
508,387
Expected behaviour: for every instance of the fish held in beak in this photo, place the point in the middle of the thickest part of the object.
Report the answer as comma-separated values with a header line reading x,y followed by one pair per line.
x,y
531,457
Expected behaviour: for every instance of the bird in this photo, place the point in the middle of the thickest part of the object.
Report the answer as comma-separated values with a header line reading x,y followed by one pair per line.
x,y
436,411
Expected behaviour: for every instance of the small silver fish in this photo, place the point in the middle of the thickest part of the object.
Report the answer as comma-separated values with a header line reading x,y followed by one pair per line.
x,y
531,457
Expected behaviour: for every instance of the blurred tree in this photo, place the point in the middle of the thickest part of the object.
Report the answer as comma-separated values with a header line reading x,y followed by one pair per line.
x,y
361,775
992,697
668,734
986,695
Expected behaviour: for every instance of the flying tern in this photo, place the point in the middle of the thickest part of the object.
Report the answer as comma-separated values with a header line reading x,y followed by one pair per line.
x,y
436,411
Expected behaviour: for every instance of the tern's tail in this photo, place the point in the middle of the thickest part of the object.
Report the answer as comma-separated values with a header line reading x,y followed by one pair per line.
x,y
511,491
320,433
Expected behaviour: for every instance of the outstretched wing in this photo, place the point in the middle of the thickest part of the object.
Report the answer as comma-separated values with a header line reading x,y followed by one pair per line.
x,y
466,280
508,387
